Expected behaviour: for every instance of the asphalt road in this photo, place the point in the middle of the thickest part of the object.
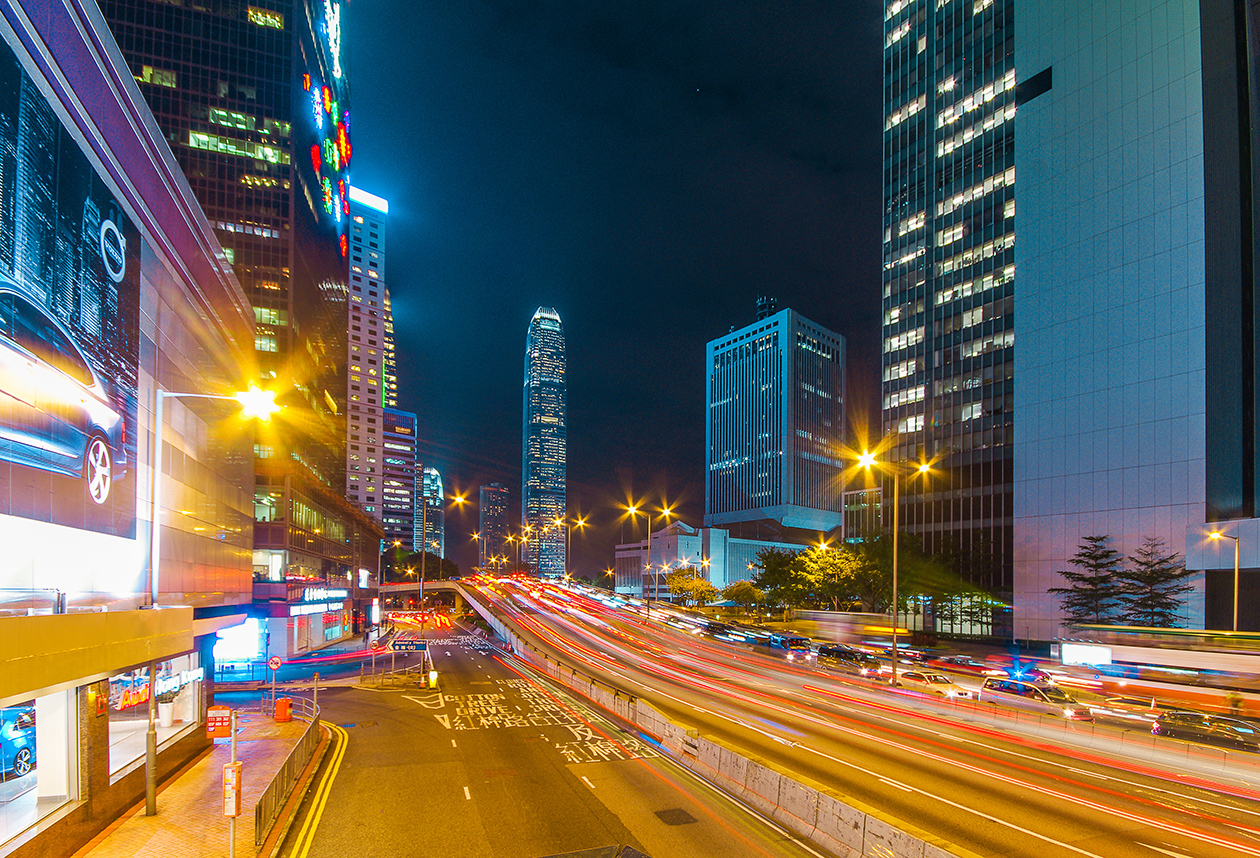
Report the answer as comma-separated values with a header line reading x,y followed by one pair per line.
x,y
497,762
976,783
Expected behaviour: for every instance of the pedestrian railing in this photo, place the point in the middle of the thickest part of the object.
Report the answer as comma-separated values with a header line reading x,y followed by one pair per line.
x,y
277,792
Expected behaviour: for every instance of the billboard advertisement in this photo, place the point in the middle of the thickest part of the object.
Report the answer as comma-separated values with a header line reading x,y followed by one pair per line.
x,y
69,317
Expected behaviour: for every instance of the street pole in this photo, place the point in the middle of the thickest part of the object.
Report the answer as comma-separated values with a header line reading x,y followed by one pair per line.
x,y
1235,583
896,492
424,538
647,608
232,819
150,747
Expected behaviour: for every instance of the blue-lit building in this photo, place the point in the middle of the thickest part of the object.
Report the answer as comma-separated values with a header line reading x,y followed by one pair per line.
x,y
948,327
543,463
400,514
776,423
1135,413
434,519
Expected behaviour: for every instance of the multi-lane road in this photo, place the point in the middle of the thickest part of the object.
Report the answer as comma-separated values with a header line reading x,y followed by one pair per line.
x,y
986,782
499,762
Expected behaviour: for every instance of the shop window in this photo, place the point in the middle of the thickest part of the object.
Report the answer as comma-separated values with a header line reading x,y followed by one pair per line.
x,y
178,690
38,758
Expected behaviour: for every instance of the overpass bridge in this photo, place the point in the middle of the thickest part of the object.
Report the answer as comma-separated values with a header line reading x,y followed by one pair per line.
x,y
406,597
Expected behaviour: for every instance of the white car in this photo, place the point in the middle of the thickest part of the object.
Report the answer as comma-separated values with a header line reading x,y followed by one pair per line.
x,y
933,683
54,411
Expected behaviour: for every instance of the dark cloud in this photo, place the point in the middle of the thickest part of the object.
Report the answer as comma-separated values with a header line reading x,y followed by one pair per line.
x,y
645,168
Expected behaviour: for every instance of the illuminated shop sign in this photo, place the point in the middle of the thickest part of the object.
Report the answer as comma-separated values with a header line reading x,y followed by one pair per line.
x,y
319,608
321,594
132,689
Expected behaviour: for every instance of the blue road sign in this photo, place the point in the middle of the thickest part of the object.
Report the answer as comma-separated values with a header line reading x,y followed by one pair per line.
x,y
409,646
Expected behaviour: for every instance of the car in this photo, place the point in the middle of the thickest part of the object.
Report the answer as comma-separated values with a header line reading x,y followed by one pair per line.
x,y
17,741
798,648
847,659
964,664
1129,710
55,414
933,683
1040,697
1214,729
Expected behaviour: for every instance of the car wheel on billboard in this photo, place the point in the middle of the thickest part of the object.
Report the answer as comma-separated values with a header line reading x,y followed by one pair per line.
x,y
98,469
22,762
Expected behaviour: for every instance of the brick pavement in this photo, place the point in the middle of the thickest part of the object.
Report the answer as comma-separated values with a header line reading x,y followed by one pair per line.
x,y
190,821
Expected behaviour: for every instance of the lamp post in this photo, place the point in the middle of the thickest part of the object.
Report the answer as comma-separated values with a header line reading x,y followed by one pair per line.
x,y
568,526
260,404
868,461
647,521
1216,534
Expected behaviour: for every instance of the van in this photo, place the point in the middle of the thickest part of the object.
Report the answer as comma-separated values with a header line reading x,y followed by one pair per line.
x,y
1040,697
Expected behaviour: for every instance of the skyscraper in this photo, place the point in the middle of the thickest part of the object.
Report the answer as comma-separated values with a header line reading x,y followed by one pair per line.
x,y
949,272
776,421
492,528
365,381
1136,408
400,513
434,520
254,101
543,455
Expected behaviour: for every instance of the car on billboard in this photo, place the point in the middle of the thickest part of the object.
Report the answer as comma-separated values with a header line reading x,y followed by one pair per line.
x,y
17,741
54,412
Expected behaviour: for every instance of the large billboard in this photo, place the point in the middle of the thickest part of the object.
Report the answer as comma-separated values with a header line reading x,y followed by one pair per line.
x,y
69,317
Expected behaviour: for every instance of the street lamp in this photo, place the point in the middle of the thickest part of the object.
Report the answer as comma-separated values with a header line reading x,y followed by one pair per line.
x,y
647,521
579,523
868,461
1216,534
255,403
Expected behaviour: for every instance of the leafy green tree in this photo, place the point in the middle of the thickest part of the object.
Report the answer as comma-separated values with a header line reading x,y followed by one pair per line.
x,y
1153,586
782,579
688,584
832,573
745,595
1092,594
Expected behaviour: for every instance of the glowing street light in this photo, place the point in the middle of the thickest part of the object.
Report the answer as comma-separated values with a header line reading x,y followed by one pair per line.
x,y
665,513
867,460
1216,534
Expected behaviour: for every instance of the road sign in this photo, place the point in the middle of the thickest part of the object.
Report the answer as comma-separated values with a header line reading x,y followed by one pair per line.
x,y
408,646
274,662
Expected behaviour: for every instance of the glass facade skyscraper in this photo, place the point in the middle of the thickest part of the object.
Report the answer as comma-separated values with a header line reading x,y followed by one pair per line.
x,y
949,274
399,513
492,527
776,422
543,464
434,520
368,350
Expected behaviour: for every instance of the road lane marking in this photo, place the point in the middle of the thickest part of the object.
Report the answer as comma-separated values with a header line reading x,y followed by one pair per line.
x,y
1165,851
467,794
588,783
452,743
896,784
307,835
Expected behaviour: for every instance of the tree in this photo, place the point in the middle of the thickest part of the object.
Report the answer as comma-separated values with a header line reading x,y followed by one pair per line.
x,y
1091,598
688,584
832,573
782,579
1152,588
744,594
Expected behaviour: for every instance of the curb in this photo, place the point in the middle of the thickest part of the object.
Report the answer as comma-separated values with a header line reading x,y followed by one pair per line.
x,y
288,813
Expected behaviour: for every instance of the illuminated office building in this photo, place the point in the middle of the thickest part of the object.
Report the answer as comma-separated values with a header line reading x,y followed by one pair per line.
x,y
543,466
493,550
949,275
776,421
434,519
254,102
365,382
400,514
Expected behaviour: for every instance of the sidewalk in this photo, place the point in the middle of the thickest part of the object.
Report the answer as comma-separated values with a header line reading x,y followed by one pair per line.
x,y
190,820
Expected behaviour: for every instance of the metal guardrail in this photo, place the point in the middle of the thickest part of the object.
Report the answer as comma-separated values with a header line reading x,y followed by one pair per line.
x,y
277,792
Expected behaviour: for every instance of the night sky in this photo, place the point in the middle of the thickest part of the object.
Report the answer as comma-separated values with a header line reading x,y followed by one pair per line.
x,y
645,168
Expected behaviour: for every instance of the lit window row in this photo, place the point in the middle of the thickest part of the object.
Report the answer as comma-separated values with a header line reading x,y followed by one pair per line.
x,y
905,339
913,423
980,6
160,77
260,181
265,344
250,229
904,397
949,235
907,226
977,191
895,314
946,85
976,287
905,259
906,110
244,148
265,18
895,7
993,120
1000,340
977,99
975,254
897,34
905,368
